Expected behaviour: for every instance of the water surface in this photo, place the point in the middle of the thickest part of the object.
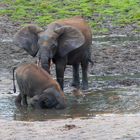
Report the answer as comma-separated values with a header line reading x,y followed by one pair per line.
x,y
119,100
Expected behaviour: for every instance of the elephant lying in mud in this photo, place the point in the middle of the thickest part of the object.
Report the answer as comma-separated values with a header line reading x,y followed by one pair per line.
x,y
34,82
65,42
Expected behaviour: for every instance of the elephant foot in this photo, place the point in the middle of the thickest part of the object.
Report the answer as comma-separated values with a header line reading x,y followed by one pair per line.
x,y
85,86
25,105
75,84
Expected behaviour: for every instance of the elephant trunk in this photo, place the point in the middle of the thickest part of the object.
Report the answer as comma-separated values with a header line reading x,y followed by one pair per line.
x,y
59,95
45,61
45,65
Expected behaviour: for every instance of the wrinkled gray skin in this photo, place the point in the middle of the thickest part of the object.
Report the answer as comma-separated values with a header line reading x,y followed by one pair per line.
x,y
46,100
65,42
36,84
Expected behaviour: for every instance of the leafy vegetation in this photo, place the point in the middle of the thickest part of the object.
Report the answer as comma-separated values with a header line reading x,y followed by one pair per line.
x,y
98,12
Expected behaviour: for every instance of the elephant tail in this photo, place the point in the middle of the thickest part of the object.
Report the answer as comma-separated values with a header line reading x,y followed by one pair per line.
x,y
92,63
14,84
89,59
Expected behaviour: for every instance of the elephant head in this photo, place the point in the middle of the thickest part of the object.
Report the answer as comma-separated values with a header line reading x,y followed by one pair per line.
x,y
50,98
57,39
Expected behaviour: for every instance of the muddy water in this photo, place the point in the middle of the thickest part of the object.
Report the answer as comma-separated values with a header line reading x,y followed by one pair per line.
x,y
100,99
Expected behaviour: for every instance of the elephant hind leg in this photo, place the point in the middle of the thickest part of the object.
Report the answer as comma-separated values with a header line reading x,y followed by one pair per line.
x,y
84,65
18,100
76,81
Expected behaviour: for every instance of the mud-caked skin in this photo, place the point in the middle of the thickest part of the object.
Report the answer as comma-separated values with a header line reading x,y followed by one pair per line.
x,y
36,84
66,42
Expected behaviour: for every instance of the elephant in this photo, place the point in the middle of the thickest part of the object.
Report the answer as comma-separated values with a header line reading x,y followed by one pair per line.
x,y
65,42
37,84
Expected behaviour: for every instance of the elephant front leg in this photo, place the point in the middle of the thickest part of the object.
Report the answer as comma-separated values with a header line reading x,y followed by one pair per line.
x,y
76,81
84,66
60,74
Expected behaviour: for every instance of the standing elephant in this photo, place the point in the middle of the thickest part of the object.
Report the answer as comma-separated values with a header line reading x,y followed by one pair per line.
x,y
34,82
65,42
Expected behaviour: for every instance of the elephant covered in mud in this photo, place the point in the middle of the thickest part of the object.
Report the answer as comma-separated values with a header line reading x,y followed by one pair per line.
x,y
65,42
36,84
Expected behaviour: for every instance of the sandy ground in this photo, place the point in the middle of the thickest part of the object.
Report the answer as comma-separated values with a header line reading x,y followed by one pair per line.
x,y
117,127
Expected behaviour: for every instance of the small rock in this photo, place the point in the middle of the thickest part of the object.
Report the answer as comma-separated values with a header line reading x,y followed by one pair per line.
x,y
77,93
69,126
9,92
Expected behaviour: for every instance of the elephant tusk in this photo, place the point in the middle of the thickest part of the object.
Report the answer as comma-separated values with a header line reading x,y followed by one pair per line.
x,y
38,63
51,63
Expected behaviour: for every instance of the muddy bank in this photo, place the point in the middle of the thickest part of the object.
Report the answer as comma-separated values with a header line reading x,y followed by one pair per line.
x,y
111,55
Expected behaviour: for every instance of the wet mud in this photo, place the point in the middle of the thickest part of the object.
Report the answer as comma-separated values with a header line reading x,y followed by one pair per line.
x,y
109,109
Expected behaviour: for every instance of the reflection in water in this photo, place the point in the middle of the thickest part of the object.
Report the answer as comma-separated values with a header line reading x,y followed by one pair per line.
x,y
93,103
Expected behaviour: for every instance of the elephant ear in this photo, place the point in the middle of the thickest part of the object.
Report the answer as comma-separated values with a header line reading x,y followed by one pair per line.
x,y
70,38
27,39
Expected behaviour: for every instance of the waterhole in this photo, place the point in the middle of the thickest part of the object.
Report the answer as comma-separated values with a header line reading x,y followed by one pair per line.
x,y
115,100
114,85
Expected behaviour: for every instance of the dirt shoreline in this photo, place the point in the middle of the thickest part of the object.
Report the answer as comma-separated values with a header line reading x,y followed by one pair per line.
x,y
79,129
108,58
